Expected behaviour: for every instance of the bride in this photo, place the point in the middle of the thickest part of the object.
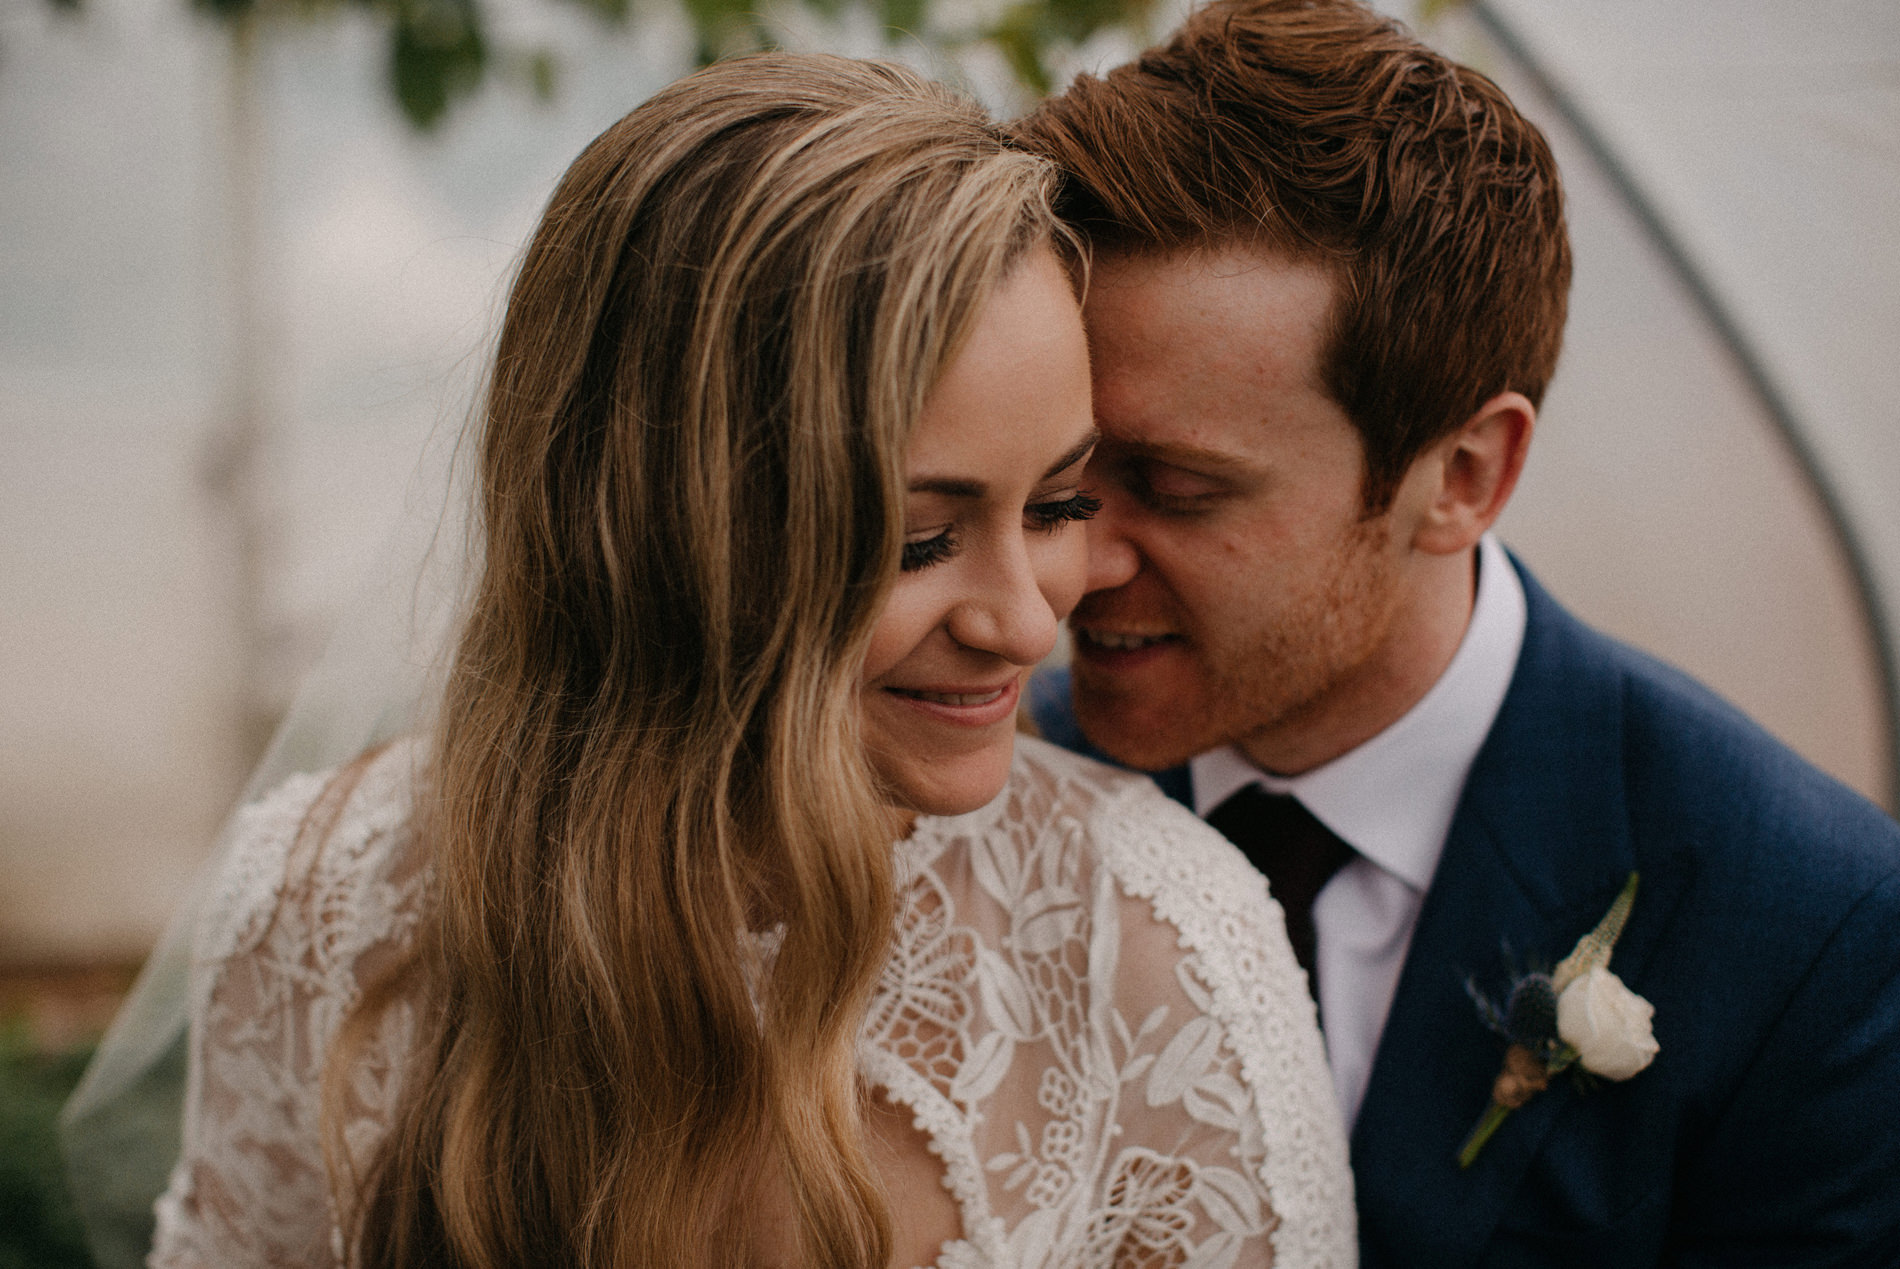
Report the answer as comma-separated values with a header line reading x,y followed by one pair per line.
x,y
719,917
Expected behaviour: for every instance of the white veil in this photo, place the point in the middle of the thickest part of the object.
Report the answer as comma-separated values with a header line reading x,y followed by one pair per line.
x,y
377,679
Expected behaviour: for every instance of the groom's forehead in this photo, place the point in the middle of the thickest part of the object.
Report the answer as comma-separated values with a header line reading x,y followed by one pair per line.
x,y
1228,287
1208,323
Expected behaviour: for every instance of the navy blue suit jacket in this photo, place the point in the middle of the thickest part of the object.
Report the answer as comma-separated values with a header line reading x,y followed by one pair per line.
x,y
1766,932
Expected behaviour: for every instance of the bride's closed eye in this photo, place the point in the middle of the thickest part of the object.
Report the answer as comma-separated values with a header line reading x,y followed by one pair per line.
x,y
1080,505
927,551
1044,517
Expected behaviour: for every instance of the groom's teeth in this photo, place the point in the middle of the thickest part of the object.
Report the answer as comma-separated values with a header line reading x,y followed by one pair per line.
x,y
1121,642
952,698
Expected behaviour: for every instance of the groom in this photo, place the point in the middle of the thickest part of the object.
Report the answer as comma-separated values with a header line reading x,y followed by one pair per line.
x,y
1328,289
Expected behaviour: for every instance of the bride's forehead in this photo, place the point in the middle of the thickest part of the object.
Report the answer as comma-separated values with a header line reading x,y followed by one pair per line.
x,y
1014,399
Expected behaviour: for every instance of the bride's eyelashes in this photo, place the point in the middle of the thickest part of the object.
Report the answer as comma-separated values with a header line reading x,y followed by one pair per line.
x,y
1044,517
928,551
1080,505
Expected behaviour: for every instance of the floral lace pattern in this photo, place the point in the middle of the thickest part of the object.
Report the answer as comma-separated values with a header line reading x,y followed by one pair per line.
x,y
1090,1011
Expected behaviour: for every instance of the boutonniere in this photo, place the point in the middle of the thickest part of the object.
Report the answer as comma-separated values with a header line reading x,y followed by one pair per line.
x,y
1577,1015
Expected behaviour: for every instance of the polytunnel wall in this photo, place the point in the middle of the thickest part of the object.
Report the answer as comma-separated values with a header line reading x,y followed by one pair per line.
x,y
1716,469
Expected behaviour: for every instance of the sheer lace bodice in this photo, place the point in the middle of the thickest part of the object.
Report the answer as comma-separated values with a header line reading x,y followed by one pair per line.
x,y
1090,1011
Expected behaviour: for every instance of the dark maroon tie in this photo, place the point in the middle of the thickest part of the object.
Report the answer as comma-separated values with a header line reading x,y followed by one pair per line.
x,y
1298,854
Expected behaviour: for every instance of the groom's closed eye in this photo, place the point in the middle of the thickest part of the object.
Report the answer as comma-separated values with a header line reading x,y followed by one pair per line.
x,y
1165,487
1165,481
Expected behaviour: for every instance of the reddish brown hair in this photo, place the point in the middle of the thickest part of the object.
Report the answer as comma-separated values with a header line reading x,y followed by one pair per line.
x,y
1320,129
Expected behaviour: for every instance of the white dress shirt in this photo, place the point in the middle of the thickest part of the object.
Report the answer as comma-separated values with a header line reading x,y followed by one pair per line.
x,y
1392,800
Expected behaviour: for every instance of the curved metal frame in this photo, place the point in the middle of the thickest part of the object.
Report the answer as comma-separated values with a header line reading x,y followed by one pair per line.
x,y
1754,368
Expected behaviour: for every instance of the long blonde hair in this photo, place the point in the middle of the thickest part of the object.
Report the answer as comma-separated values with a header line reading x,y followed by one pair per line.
x,y
647,768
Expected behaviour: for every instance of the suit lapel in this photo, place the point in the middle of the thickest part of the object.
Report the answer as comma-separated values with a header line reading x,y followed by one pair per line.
x,y
1538,849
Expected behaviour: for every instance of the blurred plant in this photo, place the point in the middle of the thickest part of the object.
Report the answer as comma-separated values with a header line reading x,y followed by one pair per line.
x,y
441,51
38,1225
1030,34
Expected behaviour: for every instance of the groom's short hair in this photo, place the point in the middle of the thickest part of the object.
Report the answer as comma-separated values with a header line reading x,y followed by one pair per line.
x,y
1319,129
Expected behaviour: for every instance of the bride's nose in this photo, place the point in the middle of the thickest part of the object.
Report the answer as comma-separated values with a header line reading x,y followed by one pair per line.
x,y
1008,612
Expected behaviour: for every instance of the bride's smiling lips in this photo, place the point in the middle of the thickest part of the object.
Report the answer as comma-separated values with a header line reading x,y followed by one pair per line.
x,y
965,704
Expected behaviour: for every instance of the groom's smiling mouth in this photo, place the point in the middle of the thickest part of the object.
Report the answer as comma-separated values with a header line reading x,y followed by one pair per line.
x,y
1096,638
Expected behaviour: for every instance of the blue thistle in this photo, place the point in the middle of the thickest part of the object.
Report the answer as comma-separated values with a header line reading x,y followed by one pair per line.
x,y
1530,1018
1528,1014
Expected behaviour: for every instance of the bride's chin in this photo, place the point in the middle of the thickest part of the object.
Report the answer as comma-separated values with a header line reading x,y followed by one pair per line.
x,y
921,785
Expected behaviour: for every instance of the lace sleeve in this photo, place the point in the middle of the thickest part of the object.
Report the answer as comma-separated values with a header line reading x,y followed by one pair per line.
x,y
1094,1015
1238,1072
310,903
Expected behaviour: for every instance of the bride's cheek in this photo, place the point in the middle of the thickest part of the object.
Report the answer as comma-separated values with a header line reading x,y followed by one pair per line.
x,y
1065,576
899,627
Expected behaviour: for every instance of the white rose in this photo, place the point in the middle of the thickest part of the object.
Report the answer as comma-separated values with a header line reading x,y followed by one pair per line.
x,y
1607,1024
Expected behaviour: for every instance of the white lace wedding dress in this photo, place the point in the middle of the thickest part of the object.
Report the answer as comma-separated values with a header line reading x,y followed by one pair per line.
x,y
1091,1010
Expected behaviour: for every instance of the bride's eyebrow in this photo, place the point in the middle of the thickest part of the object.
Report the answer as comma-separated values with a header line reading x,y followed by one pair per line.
x,y
1074,456
963,487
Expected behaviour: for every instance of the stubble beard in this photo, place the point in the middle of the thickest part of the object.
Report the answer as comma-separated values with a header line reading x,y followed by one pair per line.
x,y
1263,683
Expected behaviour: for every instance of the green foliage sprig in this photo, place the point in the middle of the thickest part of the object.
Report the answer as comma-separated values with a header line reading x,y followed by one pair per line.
x,y
39,1227
441,51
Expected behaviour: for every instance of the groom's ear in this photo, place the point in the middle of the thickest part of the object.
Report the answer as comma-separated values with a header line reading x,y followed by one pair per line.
x,y
1470,474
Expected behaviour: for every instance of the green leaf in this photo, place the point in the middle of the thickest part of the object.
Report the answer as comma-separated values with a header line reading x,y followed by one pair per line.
x,y
541,75
228,10
906,16
1020,38
726,27
437,54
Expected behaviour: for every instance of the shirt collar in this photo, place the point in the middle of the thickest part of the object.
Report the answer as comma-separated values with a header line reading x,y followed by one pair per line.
x,y
1392,799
